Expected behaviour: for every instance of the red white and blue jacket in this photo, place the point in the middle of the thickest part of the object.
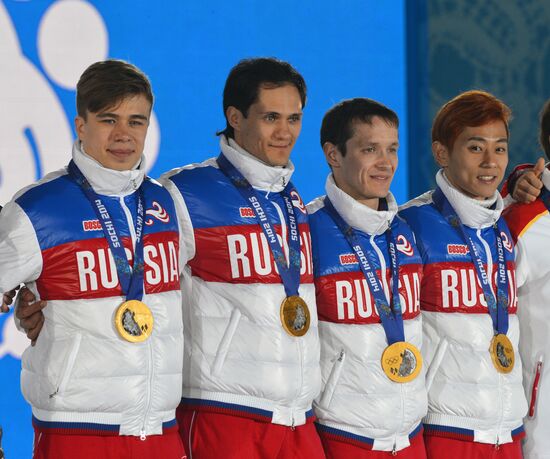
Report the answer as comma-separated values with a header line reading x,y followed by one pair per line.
x,y
359,404
530,228
467,397
238,358
81,376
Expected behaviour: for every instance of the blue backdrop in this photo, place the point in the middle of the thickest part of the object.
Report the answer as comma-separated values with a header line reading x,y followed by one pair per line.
x,y
344,48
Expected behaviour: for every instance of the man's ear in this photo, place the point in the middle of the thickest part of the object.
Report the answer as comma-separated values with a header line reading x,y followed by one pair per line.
x,y
441,154
79,123
234,117
332,155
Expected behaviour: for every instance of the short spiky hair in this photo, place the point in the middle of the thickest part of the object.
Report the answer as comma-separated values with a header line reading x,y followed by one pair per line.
x,y
105,83
249,75
469,109
337,125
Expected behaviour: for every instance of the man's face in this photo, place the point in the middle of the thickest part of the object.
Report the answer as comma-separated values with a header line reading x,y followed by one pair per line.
x,y
272,126
115,137
367,169
477,161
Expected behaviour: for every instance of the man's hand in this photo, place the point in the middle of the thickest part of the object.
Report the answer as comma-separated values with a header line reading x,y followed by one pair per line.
x,y
529,184
30,315
7,299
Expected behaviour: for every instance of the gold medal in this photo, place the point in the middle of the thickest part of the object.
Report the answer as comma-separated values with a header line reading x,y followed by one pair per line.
x,y
134,321
502,353
401,362
295,315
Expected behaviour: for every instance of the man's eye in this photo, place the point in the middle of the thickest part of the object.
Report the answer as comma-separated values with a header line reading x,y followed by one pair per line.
x,y
270,117
475,148
369,149
108,121
295,119
136,123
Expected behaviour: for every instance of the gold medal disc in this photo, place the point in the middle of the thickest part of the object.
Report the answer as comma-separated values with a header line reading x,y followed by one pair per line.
x,y
401,362
502,353
295,316
134,321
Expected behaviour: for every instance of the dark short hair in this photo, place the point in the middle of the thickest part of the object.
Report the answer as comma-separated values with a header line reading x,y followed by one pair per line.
x,y
544,131
106,83
468,109
337,125
248,76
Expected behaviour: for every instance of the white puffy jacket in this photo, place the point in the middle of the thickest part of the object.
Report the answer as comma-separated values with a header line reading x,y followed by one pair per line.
x,y
81,374
467,397
238,358
530,227
359,403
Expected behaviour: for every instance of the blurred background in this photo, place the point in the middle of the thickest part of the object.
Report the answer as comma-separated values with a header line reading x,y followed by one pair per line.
x,y
410,55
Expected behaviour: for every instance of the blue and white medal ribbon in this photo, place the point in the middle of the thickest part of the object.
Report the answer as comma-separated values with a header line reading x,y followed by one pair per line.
x,y
501,349
401,361
295,316
133,319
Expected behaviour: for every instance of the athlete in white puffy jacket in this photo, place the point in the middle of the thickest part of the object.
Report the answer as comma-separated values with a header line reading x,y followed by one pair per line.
x,y
251,367
468,299
99,242
364,411
530,226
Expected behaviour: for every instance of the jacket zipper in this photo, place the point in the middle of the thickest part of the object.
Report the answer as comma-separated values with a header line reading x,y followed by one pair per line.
x,y
286,251
142,434
132,229
490,279
333,378
71,360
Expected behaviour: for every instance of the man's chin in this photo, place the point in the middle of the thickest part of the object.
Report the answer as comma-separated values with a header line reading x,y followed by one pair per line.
x,y
278,159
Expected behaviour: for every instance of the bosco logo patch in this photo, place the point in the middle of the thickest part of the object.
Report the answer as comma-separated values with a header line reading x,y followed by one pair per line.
x,y
348,259
404,246
91,225
246,212
457,249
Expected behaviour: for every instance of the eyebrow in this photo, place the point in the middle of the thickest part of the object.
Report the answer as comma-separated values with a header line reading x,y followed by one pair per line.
x,y
393,144
484,139
114,115
273,112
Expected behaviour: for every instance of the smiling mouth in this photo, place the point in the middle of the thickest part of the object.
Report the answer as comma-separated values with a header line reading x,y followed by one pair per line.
x,y
381,178
487,178
120,152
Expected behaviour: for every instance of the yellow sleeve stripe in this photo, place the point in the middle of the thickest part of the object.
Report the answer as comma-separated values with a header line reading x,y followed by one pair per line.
x,y
533,220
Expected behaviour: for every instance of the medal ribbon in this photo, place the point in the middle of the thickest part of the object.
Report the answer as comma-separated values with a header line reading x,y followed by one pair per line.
x,y
498,307
391,317
290,274
131,280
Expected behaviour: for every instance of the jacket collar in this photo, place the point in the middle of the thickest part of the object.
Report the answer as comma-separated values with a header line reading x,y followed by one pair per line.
x,y
357,215
260,175
108,182
472,213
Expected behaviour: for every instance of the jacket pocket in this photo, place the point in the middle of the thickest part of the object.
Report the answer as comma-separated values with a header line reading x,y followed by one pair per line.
x,y
69,366
535,386
332,380
225,342
436,362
